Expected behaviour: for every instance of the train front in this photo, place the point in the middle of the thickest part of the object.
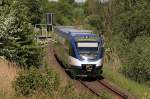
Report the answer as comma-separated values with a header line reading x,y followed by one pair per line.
x,y
87,55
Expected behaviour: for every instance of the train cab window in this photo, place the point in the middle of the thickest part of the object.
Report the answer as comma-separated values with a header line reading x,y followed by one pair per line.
x,y
88,49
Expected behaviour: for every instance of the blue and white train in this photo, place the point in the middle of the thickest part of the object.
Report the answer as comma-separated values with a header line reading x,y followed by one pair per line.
x,y
80,51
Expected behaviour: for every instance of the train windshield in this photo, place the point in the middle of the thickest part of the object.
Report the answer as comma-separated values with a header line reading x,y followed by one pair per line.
x,y
88,50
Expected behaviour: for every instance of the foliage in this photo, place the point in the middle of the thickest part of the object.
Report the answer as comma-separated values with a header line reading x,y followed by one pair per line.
x,y
31,81
136,89
132,18
130,23
125,23
67,1
78,15
93,9
16,34
138,69
61,9
94,21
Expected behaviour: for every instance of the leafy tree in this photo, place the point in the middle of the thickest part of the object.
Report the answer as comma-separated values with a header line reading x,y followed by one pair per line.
x,y
66,13
138,60
78,15
32,9
131,21
68,1
97,15
16,36
132,18
95,21
126,23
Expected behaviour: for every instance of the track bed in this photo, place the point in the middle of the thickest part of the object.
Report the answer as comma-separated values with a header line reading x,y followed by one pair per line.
x,y
97,87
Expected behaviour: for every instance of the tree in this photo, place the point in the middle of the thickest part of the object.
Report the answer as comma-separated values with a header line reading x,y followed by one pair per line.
x,y
17,36
63,12
132,18
33,10
138,60
131,21
67,1
97,17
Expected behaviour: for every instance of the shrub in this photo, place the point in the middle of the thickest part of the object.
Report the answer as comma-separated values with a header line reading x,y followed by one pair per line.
x,y
94,21
138,60
31,81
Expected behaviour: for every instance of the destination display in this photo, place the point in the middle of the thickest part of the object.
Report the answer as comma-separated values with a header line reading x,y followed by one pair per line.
x,y
87,44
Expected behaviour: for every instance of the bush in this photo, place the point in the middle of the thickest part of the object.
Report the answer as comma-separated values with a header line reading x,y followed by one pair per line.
x,y
94,21
31,81
138,60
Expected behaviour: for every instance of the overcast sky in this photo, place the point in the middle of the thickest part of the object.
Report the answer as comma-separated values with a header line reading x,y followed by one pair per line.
x,y
80,0
83,0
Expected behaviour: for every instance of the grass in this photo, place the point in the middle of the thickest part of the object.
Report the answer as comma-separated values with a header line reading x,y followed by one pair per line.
x,y
140,91
9,72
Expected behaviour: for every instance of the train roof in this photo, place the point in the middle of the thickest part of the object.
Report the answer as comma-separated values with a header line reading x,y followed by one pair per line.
x,y
76,33
73,31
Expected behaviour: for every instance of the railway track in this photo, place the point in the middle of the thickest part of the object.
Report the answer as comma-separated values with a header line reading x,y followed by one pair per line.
x,y
97,87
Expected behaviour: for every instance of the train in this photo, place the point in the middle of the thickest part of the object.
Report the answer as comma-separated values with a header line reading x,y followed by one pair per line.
x,y
80,51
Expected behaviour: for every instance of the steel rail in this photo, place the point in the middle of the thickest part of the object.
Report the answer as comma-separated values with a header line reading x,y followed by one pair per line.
x,y
113,89
93,91
106,86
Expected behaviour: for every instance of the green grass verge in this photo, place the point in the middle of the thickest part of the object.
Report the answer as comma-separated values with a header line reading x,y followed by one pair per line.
x,y
140,91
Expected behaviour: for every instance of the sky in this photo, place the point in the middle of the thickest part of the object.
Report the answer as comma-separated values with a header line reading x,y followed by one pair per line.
x,y
80,1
